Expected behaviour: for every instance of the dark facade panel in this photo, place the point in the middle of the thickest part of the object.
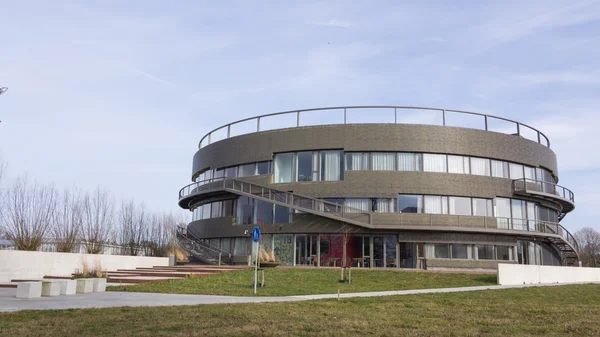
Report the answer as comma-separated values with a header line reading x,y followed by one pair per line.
x,y
374,137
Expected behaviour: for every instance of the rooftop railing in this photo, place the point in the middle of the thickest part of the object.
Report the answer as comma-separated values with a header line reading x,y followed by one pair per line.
x,y
374,114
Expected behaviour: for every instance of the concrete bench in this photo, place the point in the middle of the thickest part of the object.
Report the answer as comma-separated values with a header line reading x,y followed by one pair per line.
x,y
29,289
50,288
67,286
85,285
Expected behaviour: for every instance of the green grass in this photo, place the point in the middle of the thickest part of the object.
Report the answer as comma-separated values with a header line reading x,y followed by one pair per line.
x,y
291,281
544,311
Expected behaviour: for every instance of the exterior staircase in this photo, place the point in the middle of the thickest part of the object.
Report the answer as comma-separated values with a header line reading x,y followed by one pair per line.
x,y
201,250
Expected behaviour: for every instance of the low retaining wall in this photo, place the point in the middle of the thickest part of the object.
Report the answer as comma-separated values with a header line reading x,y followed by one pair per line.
x,y
513,274
16,264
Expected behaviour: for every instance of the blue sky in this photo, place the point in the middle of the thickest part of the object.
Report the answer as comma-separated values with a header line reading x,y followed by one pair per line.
x,y
118,94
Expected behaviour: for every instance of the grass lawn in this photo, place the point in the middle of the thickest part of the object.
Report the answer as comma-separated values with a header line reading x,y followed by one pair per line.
x,y
291,281
544,311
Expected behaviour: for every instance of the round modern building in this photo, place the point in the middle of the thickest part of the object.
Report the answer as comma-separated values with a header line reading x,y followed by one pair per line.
x,y
378,186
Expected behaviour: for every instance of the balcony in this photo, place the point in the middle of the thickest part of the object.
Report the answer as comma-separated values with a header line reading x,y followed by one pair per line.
x,y
545,190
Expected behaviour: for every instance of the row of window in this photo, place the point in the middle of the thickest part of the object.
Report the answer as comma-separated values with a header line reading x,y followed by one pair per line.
x,y
244,170
428,162
308,166
468,252
512,213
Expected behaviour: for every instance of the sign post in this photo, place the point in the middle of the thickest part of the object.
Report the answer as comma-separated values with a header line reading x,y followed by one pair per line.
x,y
256,238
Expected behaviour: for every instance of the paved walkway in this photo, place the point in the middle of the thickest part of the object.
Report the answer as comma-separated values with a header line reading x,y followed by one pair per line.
x,y
8,301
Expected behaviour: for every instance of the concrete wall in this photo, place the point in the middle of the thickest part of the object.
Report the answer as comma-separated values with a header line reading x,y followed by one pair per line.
x,y
16,264
512,274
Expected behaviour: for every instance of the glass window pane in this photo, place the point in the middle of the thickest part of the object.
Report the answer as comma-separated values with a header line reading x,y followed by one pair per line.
x,y
384,205
460,206
263,167
240,246
357,161
231,172
459,251
434,162
480,166
456,164
304,169
409,162
482,207
331,165
245,207
529,173
519,212
247,170
433,204
361,204
206,211
282,215
382,161
485,252
216,209
516,171
227,208
441,251
263,212
410,203
502,253
219,173
499,169
284,167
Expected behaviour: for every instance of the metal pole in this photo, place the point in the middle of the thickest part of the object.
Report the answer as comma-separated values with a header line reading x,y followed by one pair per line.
x,y
486,122
344,115
444,117
258,124
395,116
256,268
518,129
297,118
228,130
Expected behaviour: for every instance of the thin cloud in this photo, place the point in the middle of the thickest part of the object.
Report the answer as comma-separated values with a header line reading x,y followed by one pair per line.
x,y
151,77
334,23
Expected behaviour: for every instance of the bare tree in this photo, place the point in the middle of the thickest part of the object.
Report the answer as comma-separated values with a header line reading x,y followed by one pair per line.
x,y
97,220
134,221
161,235
28,213
589,246
68,221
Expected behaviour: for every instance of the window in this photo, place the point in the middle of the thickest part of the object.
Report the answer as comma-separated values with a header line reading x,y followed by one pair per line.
x,y
485,252
384,205
459,251
460,206
284,167
482,207
227,208
357,161
519,211
216,209
304,169
499,169
503,253
240,246
245,210
458,164
231,172
410,203
205,211
247,170
382,161
263,212
410,162
516,171
263,167
219,173
441,251
361,204
435,204
324,247
502,212
480,166
434,162
331,166
529,172
282,215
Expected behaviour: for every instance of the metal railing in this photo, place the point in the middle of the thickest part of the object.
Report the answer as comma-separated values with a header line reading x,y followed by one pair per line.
x,y
519,128
292,200
525,184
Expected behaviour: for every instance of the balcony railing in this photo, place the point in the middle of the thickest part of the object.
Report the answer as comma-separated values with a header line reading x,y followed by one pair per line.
x,y
393,115
539,186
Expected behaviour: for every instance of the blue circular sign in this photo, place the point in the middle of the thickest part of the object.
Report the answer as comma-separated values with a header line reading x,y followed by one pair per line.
x,y
255,234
